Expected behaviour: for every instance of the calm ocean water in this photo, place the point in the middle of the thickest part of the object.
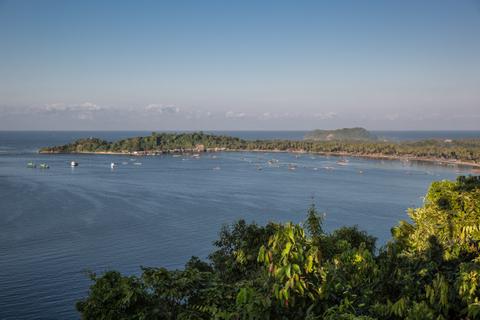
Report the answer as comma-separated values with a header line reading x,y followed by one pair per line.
x,y
56,223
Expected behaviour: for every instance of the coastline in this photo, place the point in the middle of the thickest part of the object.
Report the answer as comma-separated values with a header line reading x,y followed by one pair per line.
x,y
437,161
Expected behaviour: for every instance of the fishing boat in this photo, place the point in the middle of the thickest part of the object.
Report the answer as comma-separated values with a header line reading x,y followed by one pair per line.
x,y
73,164
272,162
31,165
44,166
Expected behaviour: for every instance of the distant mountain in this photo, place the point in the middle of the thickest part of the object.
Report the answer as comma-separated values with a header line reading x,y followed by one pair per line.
x,y
340,134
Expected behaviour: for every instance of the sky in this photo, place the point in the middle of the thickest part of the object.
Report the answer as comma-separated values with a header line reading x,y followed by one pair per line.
x,y
239,65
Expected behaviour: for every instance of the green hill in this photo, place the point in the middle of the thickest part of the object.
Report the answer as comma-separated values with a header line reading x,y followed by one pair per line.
x,y
340,134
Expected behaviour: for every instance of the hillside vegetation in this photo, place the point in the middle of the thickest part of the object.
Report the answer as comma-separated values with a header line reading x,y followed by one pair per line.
x,y
463,150
430,269
340,134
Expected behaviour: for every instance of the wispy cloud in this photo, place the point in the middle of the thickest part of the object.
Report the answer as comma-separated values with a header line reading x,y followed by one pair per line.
x,y
231,114
162,109
326,115
81,111
198,114
62,107
392,117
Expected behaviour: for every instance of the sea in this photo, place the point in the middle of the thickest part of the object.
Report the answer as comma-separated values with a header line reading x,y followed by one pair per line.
x,y
58,224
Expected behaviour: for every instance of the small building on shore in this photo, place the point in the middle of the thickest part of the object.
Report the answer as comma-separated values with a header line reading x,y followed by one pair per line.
x,y
200,148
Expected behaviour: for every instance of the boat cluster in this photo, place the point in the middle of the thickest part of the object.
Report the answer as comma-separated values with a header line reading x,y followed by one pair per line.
x,y
259,164
292,166
40,166
73,164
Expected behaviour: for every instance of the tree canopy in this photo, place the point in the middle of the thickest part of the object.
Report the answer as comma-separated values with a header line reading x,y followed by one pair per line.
x,y
429,269
341,134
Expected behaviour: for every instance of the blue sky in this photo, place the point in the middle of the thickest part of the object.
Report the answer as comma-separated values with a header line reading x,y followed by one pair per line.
x,y
154,65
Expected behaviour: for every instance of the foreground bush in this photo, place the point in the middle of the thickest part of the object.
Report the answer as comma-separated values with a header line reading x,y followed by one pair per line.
x,y
430,269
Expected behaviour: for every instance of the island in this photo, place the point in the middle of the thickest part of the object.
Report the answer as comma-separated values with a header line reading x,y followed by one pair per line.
x,y
361,134
461,152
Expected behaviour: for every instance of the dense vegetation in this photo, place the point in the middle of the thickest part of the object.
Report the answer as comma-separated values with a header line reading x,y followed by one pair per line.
x,y
430,269
341,134
464,150
161,142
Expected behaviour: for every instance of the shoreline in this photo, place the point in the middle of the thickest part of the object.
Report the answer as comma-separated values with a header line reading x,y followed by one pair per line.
x,y
436,161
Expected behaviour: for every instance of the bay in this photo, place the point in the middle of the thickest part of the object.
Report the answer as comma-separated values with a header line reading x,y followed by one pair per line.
x,y
160,210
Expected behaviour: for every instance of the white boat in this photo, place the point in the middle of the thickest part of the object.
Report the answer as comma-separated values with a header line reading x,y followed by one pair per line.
x,y
272,162
44,166
112,165
73,164
137,163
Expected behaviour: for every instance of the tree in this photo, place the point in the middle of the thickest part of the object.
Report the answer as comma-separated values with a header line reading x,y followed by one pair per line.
x,y
430,269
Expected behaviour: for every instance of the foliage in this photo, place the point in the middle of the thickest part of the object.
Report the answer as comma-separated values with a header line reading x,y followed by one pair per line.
x,y
430,269
341,134
465,150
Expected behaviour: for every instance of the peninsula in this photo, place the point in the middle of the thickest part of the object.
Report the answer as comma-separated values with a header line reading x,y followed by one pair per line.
x,y
462,152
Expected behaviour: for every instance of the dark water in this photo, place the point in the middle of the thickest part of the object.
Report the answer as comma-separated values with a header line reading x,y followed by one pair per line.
x,y
56,223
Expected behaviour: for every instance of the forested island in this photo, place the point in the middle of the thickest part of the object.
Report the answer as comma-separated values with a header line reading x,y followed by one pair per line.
x,y
465,151
341,134
429,269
